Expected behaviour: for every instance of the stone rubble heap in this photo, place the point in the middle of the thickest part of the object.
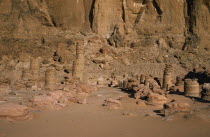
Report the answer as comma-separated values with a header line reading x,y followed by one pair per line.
x,y
149,90
43,84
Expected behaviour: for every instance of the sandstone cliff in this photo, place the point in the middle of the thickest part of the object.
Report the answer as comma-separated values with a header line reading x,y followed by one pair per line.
x,y
182,23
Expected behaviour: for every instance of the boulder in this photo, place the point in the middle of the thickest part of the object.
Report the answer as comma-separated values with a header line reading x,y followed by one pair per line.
x,y
156,99
159,91
176,107
14,112
141,91
51,101
44,102
112,103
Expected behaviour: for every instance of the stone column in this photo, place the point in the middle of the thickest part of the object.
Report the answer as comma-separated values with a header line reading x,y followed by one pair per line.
x,y
206,92
78,64
142,79
191,88
50,78
167,77
34,68
179,81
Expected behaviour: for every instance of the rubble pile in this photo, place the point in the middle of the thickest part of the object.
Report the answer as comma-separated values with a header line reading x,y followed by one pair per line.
x,y
150,90
50,85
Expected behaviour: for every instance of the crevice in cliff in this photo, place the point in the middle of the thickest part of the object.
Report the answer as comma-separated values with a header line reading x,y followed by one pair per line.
x,y
123,11
190,17
157,7
91,14
192,39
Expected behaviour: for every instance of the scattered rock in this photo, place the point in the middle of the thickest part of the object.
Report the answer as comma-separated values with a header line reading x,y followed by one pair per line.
x,y
176,107
112,103
141,103
51,101
83,101
128,114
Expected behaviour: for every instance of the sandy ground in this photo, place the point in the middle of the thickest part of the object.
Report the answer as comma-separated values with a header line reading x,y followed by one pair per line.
x,y
93,120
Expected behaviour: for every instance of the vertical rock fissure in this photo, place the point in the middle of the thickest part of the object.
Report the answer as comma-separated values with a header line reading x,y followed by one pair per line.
x,y
123,10
192,39
190,18
157,7
91,14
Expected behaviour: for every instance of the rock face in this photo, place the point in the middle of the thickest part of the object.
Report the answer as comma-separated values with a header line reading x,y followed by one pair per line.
x,y
67,13
198,22
157,17
23,18
107,14
180,23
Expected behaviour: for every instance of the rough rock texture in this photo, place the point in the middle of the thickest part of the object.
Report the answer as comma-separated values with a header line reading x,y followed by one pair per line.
x,y
160,19
141,91
14,112
176,107
155,99
52,101
179,23
120,34
130,37
198,23
112,103
107,14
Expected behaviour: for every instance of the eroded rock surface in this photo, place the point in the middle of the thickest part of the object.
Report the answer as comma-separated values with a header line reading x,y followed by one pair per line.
x,y
14,112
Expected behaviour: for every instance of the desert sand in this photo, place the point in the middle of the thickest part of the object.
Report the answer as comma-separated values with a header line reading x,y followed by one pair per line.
x,y
93,120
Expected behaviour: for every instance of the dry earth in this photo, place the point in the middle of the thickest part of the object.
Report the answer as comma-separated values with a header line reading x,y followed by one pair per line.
x,y
93,120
